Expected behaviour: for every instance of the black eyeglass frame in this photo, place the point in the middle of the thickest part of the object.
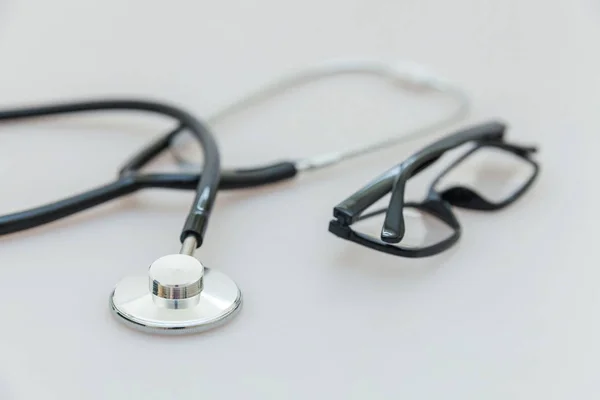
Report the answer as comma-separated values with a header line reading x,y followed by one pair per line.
x,y
438,204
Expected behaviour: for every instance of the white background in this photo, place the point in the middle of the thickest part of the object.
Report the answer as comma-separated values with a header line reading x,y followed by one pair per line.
x,y
511,312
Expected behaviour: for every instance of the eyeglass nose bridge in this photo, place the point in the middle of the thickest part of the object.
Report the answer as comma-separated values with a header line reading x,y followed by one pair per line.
x,y
440,208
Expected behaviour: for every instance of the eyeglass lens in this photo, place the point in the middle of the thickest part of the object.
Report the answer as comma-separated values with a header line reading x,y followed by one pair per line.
x,y
495,174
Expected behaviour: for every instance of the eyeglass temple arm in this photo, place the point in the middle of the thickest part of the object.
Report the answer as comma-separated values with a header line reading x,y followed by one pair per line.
x,y
393,226
349,210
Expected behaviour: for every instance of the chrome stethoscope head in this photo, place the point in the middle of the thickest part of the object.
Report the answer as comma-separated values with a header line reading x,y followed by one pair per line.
x,y
178,296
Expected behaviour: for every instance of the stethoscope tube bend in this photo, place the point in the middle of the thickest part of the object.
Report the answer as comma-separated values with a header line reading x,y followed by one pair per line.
x,y
206,187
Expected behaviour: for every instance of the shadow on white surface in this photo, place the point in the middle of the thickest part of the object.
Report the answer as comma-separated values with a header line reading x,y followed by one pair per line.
x,y
179,340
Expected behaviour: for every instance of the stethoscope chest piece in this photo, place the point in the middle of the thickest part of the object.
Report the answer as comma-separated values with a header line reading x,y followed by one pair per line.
x,y
179,295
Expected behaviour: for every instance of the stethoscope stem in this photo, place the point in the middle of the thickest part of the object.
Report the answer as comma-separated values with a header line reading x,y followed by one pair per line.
x,y
189,245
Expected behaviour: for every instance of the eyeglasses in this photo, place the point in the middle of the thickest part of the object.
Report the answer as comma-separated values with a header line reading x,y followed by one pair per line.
x,y
488,148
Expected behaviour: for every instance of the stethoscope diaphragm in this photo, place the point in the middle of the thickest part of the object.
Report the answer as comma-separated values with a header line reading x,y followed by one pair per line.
x,y
178,296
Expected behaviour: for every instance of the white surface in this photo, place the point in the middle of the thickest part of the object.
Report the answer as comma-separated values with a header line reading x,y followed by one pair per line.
x,y
512,312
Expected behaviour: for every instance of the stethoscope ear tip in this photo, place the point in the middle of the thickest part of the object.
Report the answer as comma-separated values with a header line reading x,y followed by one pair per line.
x,y
178,296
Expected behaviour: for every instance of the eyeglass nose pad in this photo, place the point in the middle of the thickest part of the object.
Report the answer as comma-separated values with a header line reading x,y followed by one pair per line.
x,y
389,235
440,208
393,226
461,196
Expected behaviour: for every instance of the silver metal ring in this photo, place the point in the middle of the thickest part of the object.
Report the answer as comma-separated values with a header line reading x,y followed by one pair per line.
x,y
134,303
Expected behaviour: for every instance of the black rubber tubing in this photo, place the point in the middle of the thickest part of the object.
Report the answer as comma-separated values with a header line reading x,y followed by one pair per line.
x,y
125,185
206,190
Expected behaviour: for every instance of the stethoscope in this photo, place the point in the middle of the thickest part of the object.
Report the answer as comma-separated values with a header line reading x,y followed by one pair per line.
x,y
179,294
